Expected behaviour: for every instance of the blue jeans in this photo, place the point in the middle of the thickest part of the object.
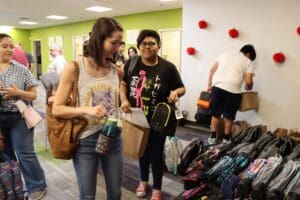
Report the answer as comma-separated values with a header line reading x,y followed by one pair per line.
x,y
86,162
19,139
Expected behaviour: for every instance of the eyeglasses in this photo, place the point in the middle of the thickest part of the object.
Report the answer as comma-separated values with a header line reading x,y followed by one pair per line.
x,y
149,44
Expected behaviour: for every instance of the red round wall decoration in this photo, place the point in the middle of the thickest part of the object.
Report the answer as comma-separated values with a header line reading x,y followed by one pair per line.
x,y
191,50
233,33
298,30
202,24
279,57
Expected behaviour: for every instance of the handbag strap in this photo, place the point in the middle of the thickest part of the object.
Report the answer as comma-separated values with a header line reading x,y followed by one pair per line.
x,y
5,158
75,85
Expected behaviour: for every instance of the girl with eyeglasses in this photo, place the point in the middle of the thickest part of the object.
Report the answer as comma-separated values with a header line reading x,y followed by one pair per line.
x,y
161,83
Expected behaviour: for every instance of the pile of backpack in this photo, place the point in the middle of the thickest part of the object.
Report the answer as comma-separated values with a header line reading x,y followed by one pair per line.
x,y
257,164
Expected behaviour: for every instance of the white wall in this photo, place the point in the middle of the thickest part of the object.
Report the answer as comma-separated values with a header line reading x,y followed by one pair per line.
x,y
270,25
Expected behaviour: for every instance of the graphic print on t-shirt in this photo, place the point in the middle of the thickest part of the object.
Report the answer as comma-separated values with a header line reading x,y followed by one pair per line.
x,y
144,90
101,95
146,95
139,87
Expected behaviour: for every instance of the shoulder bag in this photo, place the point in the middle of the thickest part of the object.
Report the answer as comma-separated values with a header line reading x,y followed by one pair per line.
x,y
63,133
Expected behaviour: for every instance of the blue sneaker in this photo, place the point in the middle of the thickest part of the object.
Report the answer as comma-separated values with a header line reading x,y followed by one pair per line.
x,y
211,141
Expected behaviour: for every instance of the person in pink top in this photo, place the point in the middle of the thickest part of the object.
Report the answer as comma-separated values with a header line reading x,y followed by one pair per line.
x,y
19,56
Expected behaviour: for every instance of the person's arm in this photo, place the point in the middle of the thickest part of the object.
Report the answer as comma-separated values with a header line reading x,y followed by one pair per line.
x,y
248,81
176,94
120,73
13,91
62,94
211,75
125,104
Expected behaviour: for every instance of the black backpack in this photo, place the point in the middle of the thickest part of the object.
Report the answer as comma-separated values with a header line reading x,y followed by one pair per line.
x,y
164,120
189,153
203,113
203,116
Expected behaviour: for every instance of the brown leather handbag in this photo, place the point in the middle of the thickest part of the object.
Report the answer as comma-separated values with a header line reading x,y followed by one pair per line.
x,y
63,133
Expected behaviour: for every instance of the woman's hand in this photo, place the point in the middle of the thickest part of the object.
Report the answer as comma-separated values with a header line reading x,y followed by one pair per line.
x,y
97,111
173,97
209,88
10,92
125,106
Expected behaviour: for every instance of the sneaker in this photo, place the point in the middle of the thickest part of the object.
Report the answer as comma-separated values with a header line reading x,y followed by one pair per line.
x,y
211,140
226,141
156,195
141,190
38,194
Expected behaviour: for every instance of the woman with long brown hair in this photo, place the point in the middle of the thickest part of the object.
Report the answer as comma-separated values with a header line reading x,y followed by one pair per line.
x,y
98,89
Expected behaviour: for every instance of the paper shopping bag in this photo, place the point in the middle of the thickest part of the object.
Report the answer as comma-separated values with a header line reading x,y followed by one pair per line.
x,y
280,132
294,134
135,139
32,117
249,101
238,127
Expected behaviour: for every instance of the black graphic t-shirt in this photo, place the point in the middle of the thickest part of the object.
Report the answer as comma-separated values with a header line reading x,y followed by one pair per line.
x,y
149,85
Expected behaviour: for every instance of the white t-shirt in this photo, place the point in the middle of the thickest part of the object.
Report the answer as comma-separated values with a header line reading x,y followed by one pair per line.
x,y
57,64
230,73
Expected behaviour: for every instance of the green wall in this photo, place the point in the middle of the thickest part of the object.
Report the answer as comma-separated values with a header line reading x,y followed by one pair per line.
x,y
21,36
66,31
154,20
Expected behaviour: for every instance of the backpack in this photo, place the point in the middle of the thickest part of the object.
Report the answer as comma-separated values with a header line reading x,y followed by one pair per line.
x,y
189,153
203,114
164,120
204,100
172,151
11,186
194,179
132,64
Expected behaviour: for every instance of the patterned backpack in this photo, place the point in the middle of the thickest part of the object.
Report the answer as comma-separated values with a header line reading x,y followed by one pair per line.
x,y
172,151
11,187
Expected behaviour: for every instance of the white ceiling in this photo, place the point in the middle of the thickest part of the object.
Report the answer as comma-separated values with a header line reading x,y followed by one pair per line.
x,y
12,11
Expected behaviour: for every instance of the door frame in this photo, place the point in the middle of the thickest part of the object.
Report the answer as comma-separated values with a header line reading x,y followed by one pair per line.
x,y
33,53
180,42
83,37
